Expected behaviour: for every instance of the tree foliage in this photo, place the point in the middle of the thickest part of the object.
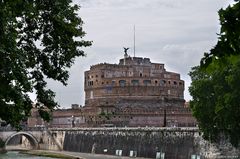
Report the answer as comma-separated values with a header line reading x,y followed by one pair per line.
x,y
229,37
215,87
39,39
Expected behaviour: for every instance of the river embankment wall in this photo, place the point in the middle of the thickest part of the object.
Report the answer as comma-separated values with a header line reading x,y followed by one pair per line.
x,y
142,142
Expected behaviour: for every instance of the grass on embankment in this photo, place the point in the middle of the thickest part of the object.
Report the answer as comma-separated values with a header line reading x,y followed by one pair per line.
x,y
49,154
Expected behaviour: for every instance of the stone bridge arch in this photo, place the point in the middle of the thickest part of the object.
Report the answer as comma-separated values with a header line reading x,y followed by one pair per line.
x,y
32,140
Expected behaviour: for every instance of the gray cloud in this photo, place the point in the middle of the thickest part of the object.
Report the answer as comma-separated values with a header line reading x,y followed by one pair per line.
x,y
173,32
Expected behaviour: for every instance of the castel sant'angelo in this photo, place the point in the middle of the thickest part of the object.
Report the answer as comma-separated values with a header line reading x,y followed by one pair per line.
x,y
135,92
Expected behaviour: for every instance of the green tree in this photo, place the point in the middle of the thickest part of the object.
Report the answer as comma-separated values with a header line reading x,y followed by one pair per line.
x,y
215,87
39,39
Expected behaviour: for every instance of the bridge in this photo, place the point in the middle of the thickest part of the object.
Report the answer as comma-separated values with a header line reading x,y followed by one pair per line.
x,y
32,138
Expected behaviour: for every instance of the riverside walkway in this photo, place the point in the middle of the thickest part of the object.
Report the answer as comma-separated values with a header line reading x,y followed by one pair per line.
x,y
78,155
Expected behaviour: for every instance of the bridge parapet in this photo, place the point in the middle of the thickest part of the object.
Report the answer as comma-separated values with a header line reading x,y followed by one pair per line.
x,y
8,128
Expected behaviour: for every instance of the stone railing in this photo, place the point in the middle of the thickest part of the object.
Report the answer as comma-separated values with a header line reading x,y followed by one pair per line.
x,y
9,128
169,129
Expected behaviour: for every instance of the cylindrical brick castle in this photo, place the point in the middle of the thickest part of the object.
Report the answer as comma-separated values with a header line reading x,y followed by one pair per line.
x,y
125,93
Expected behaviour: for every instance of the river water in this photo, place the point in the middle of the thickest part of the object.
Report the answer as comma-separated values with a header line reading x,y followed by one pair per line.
x,y
17,155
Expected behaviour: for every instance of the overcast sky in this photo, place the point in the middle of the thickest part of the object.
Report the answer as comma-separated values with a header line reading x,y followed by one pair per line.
x,y
173,32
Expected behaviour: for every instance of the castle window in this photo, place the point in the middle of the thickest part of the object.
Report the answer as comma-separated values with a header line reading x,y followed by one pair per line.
x,y
102,82
102,76
162,82
147,82
175,83
140,74
156,82
96,76
135,82
122,83
113,83
180,83
90,83
169,82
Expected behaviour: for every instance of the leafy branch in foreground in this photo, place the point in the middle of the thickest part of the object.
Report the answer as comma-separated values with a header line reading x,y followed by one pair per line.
x,y
38,40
